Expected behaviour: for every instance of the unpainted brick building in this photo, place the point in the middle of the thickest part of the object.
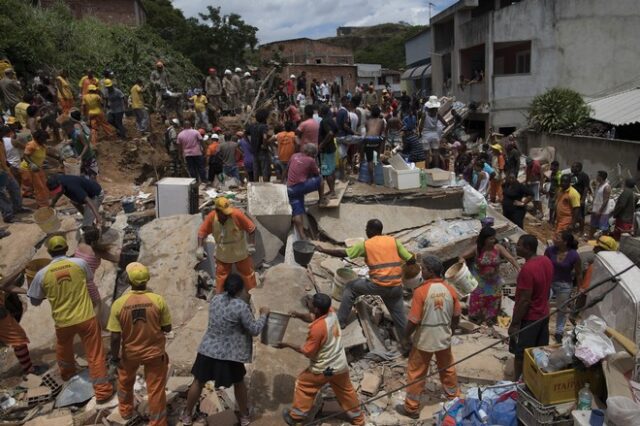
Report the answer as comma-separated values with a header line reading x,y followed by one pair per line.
x,y
127,12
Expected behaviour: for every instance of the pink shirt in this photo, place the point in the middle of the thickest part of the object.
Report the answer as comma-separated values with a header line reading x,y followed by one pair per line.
x,y
309,132
301,167
190,140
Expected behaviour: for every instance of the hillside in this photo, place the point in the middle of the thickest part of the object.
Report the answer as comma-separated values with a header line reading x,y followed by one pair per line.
x,y
379,44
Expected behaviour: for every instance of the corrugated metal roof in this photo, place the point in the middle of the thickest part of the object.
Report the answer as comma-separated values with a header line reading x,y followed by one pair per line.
x,y
618,109
416,73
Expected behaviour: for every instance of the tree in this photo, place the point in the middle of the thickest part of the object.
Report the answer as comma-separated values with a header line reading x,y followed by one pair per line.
x,y
558,109
212,39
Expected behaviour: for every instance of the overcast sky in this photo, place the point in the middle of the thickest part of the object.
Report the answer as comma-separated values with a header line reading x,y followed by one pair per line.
x,y
284,19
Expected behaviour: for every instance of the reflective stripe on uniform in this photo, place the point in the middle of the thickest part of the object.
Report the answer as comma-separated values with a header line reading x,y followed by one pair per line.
x,y
385,265
386,277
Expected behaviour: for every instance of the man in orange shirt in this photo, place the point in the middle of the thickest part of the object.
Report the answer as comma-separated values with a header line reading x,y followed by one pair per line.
x,y
328,364
286,146
435,313
137,323
384,255
567,206
228,226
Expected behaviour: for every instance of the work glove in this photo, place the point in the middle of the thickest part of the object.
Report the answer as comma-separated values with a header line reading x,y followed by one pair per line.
x,y
200,255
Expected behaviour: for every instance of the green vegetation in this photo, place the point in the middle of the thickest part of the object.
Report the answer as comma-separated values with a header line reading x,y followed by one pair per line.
x,y
51,40
216,40
558,109
379,44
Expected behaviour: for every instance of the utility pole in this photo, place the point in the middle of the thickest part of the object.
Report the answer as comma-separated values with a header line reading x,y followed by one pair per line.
x,y
431,5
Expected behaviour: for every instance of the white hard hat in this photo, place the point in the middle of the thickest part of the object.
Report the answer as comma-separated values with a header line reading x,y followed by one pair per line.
x,y
215,136
238,69
292,76
175,121
227,71
247,74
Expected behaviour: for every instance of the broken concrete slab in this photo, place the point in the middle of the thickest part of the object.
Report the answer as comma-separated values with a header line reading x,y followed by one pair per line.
x,y
269,204
61,417
484,368
348,221
374,341
352,335
267,245
182,348
168,250
179,383
272,383
370,383
19,248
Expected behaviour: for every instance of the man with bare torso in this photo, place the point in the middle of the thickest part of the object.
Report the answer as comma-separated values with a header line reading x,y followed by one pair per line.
x,y
373,141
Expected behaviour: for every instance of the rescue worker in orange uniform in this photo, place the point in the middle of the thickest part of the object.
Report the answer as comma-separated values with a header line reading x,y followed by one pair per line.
x,y
137,323
384,255
65,283
228,226
11,333
435,313
328,364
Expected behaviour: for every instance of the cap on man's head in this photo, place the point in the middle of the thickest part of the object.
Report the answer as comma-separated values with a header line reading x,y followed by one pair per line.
x,y
57,243
215,136
138,273
212,69
217,129
223,205
605,242
108,82
159,64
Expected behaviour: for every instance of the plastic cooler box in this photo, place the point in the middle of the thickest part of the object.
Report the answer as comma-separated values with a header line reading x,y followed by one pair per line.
x,y
560,386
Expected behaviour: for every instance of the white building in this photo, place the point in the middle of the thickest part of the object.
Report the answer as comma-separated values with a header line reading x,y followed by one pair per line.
x,y
500,54
380,77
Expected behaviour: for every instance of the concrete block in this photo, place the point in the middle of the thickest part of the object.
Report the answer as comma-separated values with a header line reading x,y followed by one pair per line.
x,y
211,404
370,383
224,418
31,381
269,204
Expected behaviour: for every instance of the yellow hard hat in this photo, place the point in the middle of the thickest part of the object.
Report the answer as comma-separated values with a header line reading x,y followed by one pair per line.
x,y
92,87
108,83
56,243
223,205
605,242
138,273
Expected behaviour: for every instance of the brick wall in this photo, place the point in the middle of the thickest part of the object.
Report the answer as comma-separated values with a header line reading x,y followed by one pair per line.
x,y
307,51
128,12
345,75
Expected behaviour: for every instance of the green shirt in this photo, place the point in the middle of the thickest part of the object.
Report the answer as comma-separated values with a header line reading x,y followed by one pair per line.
x,y
358,250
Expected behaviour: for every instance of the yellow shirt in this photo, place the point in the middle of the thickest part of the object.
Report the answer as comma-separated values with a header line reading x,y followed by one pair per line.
x,y
64,91
93,102
137,101
21,113
64,284
199,102
82,79
37,154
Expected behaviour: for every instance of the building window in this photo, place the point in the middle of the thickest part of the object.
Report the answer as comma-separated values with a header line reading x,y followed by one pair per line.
x,y
512,58
318,61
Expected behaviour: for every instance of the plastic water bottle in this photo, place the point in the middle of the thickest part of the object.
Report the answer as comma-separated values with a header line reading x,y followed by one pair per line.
x,y
585,398
541,358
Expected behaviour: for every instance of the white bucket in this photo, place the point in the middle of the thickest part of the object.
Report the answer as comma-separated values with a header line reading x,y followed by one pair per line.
x,y
72,166
461,278
340,280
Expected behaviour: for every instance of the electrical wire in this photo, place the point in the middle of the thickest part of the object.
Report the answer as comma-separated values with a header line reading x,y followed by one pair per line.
x,y
613,278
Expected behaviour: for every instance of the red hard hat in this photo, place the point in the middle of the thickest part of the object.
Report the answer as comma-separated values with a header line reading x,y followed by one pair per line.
x,y
217,129
212,69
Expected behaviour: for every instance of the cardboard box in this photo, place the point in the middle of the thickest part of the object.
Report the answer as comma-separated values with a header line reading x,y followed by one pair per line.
x,y
560,386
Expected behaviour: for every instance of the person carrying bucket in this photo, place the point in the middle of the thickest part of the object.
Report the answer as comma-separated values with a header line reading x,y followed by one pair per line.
x,y
86,196
435,313
328,364
228,226
384,255
484,302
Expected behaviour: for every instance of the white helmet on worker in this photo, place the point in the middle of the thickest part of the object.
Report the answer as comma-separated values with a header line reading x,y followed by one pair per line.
x,y
227,72
238,69
292,76
247,74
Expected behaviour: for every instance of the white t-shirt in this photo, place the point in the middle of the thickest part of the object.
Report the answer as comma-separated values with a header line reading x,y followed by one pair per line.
x,y
302,100
13,154
354,121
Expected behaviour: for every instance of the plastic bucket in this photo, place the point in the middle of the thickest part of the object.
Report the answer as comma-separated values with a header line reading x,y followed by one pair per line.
x,y
342,277
47,219
128,204
72,166
33,267
412,276
303,252
273,331
461,278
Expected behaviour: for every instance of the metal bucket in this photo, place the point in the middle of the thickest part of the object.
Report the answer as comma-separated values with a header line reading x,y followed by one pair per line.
x,y
342,277
273,331
303,252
